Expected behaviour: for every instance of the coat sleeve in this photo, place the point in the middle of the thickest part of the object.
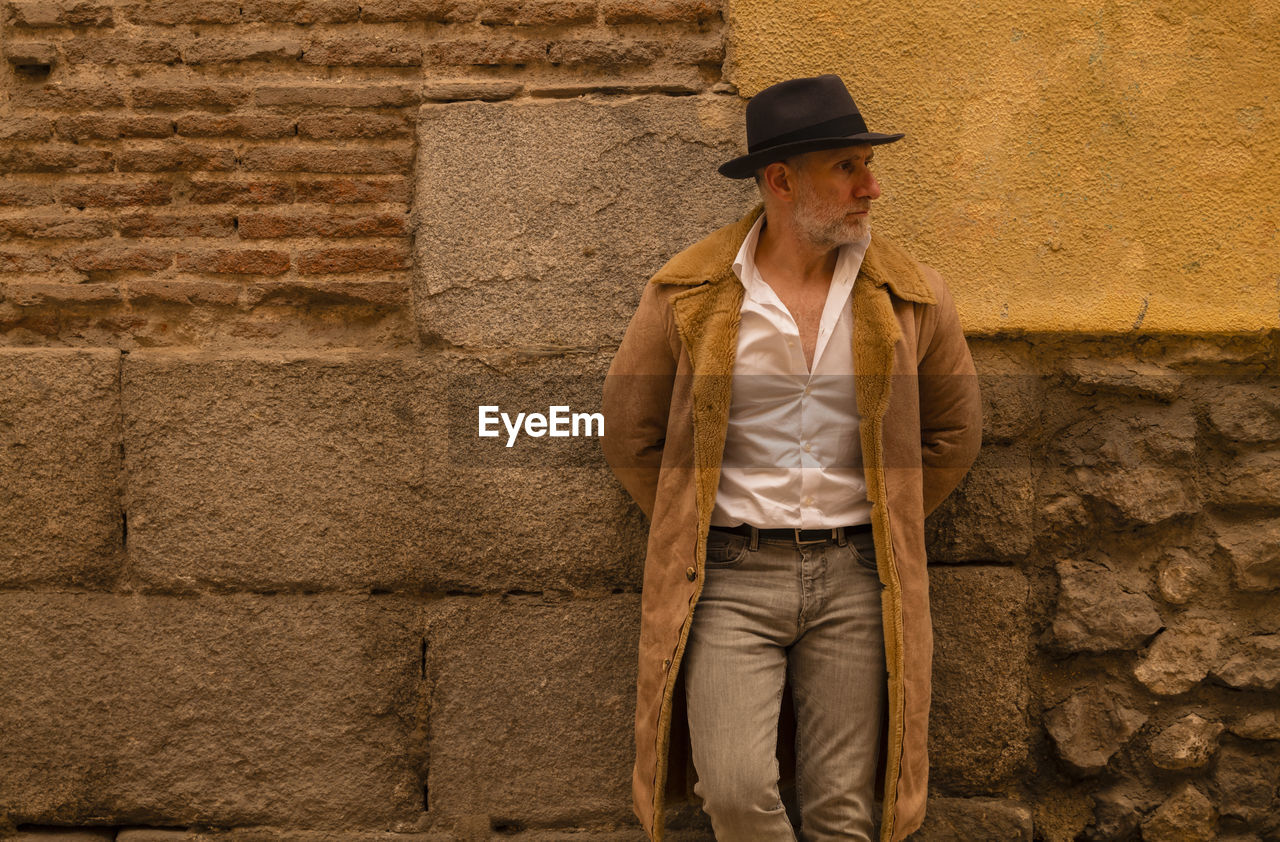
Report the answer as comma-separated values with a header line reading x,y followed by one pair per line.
x,y
637,399
950,403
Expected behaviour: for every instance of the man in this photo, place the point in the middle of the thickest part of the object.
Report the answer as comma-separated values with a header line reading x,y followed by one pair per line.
x,y
792,397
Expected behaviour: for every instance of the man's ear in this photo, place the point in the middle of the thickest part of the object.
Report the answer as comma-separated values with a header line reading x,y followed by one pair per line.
x,y
779,180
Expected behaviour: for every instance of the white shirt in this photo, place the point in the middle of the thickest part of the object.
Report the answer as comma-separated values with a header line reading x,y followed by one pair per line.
x,y
792,453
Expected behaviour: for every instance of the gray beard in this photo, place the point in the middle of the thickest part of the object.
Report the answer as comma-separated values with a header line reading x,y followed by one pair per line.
x,y
830,232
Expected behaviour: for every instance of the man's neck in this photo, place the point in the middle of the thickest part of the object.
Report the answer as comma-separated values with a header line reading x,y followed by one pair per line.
x,y
782,254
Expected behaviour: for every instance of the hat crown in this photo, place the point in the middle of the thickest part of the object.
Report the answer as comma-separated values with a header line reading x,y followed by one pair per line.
x,y
801,115
799,108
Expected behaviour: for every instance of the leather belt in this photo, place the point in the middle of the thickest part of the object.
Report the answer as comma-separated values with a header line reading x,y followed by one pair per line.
x,y
799,537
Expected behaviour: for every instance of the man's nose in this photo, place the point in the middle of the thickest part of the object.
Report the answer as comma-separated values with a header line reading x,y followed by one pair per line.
x,y
869,188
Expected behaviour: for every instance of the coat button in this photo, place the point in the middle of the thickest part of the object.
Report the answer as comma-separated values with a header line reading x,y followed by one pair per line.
x,y
666,663
690,573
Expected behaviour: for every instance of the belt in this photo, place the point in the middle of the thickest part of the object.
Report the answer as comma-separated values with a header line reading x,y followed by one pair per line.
x,y
799,537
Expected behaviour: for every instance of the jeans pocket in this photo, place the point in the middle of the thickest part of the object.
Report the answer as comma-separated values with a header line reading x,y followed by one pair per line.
x,y
725,549
863,549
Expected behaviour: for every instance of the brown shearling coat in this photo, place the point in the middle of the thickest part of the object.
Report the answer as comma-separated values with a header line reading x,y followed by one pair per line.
x,y
666,408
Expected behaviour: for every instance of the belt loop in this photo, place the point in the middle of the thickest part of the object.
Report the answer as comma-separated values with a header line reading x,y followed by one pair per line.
x,y
754,546
839,535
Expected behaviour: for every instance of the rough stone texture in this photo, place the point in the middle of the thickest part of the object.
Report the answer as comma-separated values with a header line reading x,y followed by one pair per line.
x,y
554,744
224,710
1134,460
1180,657
968,819
1115,816
577,208
1181,576
1261,725
54,834
1247,412
1011,388
1188,743
269,471
545,513
1255,664
989,517
978,731
264,834
1143,495
1245,785
1251,480
1126,377
365,471
1090,726
1097,613
60,521
1253,547
1188,816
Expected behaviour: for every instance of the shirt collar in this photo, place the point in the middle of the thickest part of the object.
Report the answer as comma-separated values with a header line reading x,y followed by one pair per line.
x,y
848,261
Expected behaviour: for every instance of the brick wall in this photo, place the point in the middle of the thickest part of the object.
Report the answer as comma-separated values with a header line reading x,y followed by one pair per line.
x,y
250,162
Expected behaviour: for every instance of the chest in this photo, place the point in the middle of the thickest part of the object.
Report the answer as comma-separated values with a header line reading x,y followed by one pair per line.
x,y
805,307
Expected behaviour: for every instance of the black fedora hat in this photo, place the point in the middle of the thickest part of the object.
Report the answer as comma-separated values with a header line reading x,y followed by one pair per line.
x,y
800,115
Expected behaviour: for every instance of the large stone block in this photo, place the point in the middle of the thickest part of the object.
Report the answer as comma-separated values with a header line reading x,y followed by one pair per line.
x,y
231,710
970,819
532,709
276,471
989,516
544,513
366,471
537,222
60,518
978,730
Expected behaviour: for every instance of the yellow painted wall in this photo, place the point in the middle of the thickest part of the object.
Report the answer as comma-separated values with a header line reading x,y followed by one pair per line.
x,y
1069,164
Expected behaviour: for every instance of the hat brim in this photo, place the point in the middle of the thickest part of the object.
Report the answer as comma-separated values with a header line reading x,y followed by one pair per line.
x,y
745,166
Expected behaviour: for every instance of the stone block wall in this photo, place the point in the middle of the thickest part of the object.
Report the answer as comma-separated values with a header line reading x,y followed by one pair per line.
x,y
261,261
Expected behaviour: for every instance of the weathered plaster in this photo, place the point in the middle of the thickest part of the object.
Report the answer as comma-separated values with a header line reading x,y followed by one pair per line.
x,y
1080,166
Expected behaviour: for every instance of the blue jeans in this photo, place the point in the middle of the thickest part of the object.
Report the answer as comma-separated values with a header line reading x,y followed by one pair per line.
x,y
813,610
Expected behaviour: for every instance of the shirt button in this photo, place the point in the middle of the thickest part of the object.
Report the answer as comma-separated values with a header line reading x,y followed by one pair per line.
x,y
807,447
808,390
808,501
690,573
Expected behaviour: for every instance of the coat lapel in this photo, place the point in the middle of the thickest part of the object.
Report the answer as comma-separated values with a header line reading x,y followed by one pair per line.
x,y
708,313
707,316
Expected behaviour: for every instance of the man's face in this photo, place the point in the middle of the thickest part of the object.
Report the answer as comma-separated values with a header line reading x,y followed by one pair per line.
x,y
834,189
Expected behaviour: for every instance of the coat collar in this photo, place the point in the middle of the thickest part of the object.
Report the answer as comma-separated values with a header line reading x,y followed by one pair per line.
x,y
710,260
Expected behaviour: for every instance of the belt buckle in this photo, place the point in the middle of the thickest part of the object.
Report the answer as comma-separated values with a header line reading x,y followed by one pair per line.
x,y
796,530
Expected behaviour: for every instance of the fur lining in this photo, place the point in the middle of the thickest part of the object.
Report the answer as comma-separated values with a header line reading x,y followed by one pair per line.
x,y
874,338
710,260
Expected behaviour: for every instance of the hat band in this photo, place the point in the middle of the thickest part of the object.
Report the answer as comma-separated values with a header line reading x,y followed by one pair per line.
x,y
842,126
